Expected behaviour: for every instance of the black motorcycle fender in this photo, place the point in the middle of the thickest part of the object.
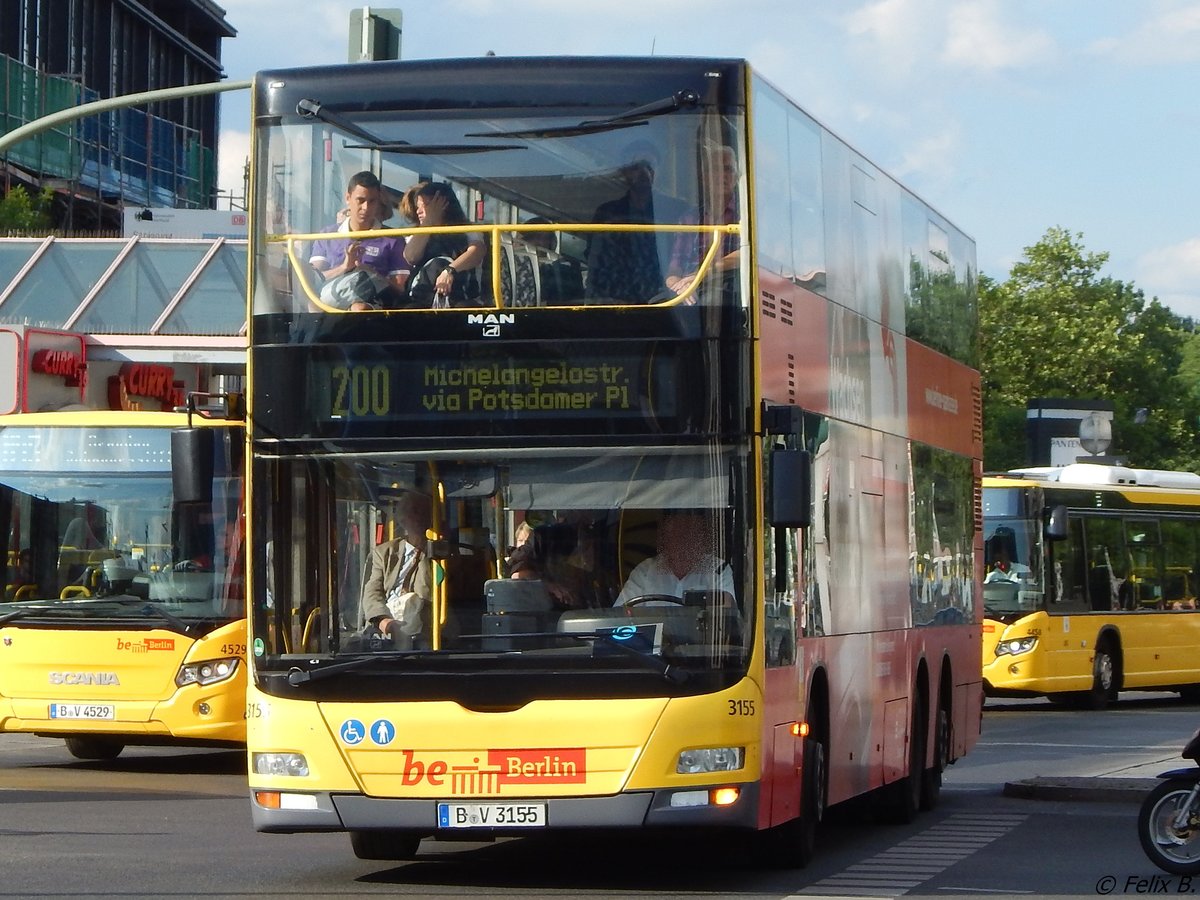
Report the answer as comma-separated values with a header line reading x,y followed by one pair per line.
x,y
1191,774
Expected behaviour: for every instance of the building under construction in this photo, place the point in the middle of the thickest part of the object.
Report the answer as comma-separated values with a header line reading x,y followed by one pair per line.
x,y
58,54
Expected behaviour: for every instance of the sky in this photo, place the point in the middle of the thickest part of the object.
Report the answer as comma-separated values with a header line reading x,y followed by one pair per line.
x,y
1008,116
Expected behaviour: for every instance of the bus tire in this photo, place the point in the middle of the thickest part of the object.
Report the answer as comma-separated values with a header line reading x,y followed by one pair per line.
x,y
931,778
906,792
793,844
812,806
1190,693
1104,677
387,844
86,746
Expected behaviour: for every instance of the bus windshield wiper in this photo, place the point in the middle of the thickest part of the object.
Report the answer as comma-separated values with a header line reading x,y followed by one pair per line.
x,y
312,109
176,623
672,673
632,118
433,149
297,676
20,613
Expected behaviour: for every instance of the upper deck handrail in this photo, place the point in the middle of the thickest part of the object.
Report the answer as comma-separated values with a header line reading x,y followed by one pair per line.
x,y
496,231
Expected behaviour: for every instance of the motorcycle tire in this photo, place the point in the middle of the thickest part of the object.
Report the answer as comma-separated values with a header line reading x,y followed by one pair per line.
x,y
1177,852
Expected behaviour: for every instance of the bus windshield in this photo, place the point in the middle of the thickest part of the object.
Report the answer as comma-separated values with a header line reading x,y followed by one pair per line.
x,y
94,533
575,560
1012,562
552,178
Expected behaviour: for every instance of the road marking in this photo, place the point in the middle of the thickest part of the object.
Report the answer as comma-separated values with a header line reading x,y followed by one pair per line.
x,y
895,871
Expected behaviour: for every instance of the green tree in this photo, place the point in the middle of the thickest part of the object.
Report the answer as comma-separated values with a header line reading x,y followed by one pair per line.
x,y
22,213
1057,328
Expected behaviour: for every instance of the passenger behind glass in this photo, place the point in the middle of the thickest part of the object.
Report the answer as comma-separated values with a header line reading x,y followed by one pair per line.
x,y
546,556
399,582
685,561
624,266
719,207
444,265
366,273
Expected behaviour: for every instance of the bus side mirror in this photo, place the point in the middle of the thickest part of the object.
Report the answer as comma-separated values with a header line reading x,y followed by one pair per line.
x,y
192,464
791,488
1056,526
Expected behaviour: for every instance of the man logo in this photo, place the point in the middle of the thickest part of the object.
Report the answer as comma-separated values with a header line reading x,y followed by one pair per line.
x,y
491,322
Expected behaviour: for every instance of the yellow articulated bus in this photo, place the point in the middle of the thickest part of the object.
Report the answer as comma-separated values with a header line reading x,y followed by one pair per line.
x,y
123,621
1091,583
649,501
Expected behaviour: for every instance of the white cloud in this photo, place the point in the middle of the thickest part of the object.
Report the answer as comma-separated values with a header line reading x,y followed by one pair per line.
x,y
1168,38
1172,274
899,32
977,38
906,35
934,156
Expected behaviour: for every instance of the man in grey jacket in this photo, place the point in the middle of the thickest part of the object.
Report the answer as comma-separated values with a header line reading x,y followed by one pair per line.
x,y
399,583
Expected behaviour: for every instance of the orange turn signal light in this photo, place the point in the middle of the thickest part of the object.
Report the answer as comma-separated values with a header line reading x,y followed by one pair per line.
x,y
725,796
267,799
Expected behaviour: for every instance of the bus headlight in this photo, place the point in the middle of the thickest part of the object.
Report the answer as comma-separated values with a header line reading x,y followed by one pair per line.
x,y
710,759
1015,645
293,764
208,672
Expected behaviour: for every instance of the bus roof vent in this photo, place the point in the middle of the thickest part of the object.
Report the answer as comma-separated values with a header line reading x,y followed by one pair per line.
x,y
1091,473
1037,473
1166,479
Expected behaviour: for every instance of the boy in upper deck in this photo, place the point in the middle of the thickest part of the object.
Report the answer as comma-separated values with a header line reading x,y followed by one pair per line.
x,y
366,273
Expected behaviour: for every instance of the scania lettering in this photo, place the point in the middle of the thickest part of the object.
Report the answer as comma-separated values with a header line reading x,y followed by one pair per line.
x,y
84,678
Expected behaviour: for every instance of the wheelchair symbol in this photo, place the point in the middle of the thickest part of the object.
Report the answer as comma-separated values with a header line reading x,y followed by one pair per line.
x,y
352,732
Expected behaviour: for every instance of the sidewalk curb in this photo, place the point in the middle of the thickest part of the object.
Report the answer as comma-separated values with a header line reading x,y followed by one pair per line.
x,y
1099,789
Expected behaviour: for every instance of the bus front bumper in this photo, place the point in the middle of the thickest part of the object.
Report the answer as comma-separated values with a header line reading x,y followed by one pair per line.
x,y
323,811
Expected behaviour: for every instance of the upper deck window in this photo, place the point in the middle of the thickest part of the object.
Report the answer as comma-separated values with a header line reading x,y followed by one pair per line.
x,y
592,209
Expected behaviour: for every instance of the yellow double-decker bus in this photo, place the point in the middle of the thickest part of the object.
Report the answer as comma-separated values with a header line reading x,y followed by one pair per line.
x,y
123,615
1091,584
667,521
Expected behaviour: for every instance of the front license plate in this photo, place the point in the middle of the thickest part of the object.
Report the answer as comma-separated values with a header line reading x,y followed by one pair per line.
x,y
491,815
82,711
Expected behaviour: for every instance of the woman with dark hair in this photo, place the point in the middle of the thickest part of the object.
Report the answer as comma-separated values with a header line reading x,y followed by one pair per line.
x,y
443,264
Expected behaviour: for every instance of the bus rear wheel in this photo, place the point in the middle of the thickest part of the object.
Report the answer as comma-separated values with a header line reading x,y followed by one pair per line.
x,y
88,747
385,844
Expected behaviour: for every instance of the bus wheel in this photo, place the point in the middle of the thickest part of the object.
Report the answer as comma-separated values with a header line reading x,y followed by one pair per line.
x,y
931,778
793,844
87,747
906,792
1104,678
384,844
812,806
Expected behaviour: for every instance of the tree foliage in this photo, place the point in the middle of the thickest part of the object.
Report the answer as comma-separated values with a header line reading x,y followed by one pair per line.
x,y
22,213
1058,328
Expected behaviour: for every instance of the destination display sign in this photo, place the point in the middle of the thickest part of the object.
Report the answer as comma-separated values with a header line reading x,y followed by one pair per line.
x,y
390,390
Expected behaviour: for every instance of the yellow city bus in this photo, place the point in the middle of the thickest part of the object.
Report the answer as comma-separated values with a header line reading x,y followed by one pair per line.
x,y
123,621
1091,583
773,338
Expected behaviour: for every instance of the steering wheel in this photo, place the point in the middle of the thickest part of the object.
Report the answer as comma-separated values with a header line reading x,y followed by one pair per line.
x,y
655,598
